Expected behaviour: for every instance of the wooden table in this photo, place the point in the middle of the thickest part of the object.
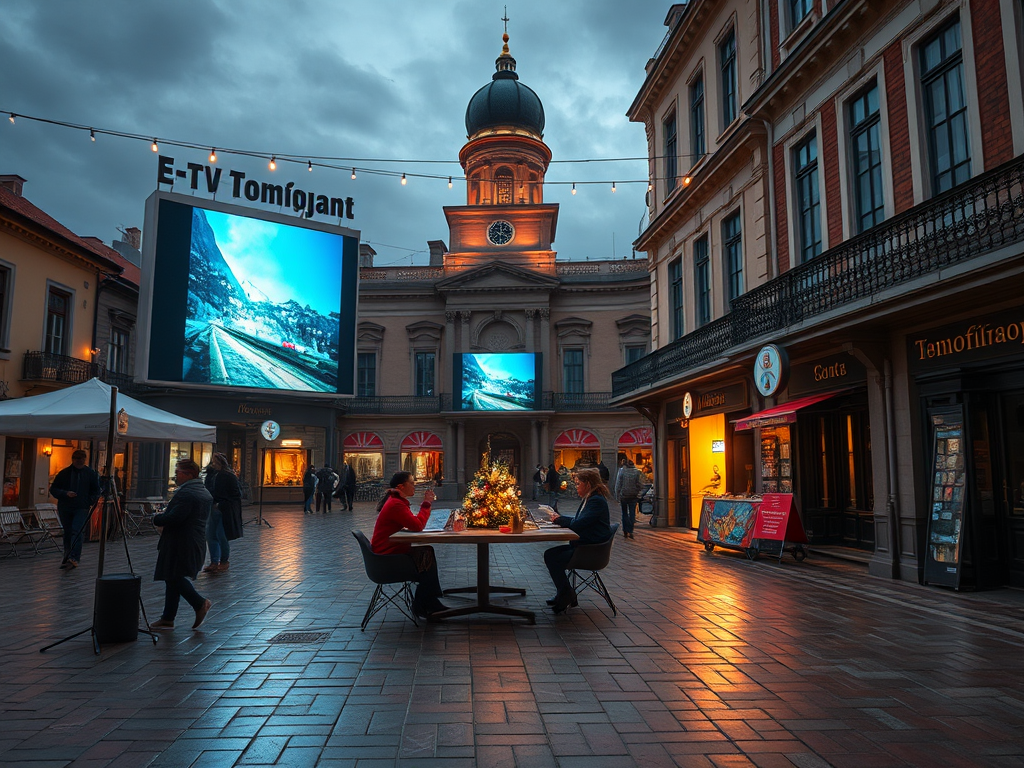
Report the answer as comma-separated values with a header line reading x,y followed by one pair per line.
x,y
483,538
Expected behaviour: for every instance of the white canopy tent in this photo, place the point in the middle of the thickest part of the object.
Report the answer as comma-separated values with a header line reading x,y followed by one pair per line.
x,y
83,412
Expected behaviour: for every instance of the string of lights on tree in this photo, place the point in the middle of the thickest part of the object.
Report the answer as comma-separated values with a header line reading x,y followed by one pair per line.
x,y
345,164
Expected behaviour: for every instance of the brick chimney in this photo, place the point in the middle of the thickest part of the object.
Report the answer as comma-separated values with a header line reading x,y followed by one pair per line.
x,y
133,236
12,182
437,251
366,254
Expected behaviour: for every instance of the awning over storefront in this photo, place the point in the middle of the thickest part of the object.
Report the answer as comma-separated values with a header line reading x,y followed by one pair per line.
x,y
782,414
361,441
641,437
422,441
577,438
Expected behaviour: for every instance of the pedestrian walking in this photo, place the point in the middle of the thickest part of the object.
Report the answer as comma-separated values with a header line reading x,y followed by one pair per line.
x,y
348,483
605,474
76,488
326,480
538,481
182,545
225,522
628,485
308,489
553,483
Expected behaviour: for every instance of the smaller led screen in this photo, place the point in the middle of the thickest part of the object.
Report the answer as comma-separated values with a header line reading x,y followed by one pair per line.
x,y
497,381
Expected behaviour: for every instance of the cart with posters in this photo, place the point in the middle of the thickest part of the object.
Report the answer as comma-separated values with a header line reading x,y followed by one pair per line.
x,y
752,525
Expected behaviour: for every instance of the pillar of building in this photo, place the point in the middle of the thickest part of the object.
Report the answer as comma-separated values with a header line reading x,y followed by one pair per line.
x,y
464,336
460,452
531,341
545,347
449,348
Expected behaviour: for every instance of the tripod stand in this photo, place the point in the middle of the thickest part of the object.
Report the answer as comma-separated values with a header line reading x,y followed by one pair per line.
x,y
110,497
258,519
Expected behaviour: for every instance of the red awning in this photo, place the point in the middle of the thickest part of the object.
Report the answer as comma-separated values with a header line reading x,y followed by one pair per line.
x,y
782,414
422,441
577,438
642,436
355,441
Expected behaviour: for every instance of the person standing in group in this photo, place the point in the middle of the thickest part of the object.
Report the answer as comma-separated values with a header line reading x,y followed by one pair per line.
x,y
553,482
182,546
308,489
76,489
326,480
628,485
539,477
591,523
605,474
349,485
394,513
225,521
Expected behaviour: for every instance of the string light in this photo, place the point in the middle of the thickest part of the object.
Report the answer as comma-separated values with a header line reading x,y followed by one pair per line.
x,y
154,146
213,154
92,135
403,180
273,163
613,186
11,118
650,187
309,166
686,181
449,182
353,174
574,187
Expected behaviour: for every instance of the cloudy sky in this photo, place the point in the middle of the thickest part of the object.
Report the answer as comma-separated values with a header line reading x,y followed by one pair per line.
x,y
377,80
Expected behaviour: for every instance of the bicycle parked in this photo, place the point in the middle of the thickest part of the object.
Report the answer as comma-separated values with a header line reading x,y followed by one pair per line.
x,y
648,506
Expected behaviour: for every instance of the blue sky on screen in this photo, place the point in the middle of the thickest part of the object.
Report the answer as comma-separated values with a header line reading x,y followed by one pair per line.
x,y
508,366
282,261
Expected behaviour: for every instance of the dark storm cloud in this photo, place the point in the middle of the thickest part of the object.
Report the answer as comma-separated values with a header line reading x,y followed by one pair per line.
x,y
384,79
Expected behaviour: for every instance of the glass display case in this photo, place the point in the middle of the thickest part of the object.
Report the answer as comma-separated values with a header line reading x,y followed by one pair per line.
x,y
776,460
285,466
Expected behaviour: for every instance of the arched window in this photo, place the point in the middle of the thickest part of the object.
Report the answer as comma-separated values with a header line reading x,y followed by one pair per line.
x,y
503,186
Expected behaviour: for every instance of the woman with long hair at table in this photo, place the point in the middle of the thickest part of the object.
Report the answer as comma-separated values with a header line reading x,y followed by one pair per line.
x,y
591,523
394,513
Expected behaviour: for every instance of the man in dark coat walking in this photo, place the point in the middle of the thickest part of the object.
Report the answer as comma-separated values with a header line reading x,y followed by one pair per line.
x,y
348,485
182,546
76,489
326,480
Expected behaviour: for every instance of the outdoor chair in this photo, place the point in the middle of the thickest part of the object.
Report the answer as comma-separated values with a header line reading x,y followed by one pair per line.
x,y
392,574
592,558
49,521
14,530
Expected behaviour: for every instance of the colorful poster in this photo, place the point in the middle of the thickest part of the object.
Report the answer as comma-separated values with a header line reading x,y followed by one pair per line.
x,y
728,522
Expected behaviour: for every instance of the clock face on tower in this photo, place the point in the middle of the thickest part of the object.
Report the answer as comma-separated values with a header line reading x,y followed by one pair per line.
x,y
500,233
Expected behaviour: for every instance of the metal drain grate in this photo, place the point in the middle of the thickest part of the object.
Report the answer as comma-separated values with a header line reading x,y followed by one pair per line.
x,y
300,637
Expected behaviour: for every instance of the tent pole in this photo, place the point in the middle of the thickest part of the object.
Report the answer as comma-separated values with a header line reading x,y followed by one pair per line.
x,y
107,473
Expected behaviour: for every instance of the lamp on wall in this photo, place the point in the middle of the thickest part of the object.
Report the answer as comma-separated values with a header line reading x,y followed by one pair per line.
x,y
47,450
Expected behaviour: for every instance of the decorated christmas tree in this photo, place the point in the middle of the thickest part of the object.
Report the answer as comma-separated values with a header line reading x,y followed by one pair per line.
x,y
493,496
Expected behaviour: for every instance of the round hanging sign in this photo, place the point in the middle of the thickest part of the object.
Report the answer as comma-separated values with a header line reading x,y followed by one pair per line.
x,y
769,369
270,430
687,405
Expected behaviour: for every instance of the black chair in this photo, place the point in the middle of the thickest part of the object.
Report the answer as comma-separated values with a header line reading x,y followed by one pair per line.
x,y
386,571
592,558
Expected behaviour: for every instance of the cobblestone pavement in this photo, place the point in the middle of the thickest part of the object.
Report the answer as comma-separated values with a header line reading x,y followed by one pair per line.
x,y
713,660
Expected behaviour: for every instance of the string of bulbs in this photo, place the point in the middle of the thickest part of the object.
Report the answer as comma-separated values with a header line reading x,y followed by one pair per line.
x,y
343,163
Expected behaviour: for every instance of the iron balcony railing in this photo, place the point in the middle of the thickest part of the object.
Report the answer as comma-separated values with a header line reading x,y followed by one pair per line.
x,y
974,218
394,404
63,369
580,401
400,404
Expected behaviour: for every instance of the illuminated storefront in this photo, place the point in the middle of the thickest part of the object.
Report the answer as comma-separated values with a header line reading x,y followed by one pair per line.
x,y
422,455
286,465
575,448
637,445
364,452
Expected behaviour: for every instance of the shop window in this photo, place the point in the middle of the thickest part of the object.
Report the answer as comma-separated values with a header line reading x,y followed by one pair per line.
x,y
572,371
285,466
945,108
117,350
675,282
200,453
425,374
698,143
58,322
857,488
18,470
671,153
776,460
866,151
727,61
702,281
368,466
366,374
808,203
425,465
732,247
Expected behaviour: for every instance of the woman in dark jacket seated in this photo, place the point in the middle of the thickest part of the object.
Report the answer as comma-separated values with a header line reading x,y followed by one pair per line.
x,y
591,524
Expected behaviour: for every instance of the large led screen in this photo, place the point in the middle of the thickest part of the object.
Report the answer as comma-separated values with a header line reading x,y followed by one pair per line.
x,y
497,381
243,299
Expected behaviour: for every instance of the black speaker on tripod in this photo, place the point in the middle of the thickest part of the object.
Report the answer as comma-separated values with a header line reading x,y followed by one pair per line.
x,y
116,618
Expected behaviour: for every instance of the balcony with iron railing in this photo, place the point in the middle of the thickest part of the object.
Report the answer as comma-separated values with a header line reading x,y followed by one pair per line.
x,y
400,404
67,371
979,216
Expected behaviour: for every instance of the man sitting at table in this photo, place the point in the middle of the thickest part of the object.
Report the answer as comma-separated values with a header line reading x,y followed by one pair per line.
x,y
395,514
590,523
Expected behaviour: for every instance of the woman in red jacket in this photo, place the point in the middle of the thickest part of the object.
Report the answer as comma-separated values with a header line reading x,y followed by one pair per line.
x,y
394,515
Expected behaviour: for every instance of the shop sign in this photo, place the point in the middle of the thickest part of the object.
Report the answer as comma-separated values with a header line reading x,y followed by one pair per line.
x,y
270,430
687,405
732,397
122,422
835,372
776,521
248,409
770,369
967,341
